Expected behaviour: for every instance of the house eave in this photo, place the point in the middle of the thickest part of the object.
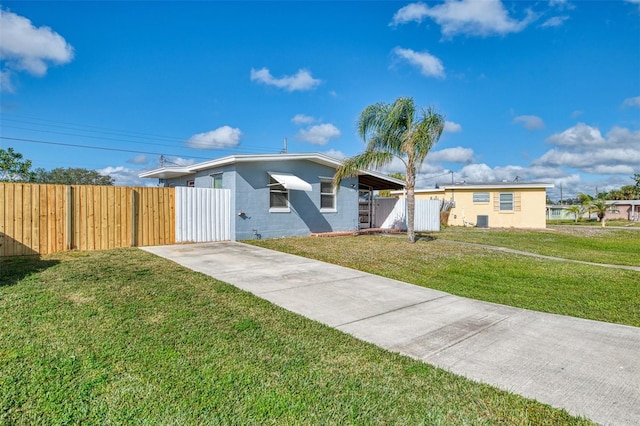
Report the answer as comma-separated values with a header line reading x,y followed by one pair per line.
x,y
173,172
166,173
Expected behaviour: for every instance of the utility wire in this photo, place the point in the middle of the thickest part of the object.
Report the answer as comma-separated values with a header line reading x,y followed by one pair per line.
x,y
94,147
248,149
102,130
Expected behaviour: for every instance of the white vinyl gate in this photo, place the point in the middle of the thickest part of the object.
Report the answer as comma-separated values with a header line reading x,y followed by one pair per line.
x,y
202,215
426,216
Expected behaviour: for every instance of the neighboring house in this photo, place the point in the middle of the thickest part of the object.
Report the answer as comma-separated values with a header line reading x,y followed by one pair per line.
x,y
281,195
560,212
492,205
624,209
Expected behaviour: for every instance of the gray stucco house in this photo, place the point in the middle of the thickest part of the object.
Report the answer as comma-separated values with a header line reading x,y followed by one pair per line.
x,y
281,195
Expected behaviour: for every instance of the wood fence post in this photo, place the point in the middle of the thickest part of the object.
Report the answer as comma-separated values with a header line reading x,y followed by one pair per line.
x,y
68,231
134,225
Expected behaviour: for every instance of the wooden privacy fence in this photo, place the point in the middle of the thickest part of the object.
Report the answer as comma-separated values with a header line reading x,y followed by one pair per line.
x,y
41,219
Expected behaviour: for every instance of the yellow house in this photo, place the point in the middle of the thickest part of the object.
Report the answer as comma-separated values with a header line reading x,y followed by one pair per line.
x,y
492,205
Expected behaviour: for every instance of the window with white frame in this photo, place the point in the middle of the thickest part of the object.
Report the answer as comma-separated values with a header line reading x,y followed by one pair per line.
x,y
327,195
278,196
480,197
216,180
506,201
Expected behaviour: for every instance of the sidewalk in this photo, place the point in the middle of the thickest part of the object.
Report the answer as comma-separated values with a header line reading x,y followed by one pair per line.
x,y
587,367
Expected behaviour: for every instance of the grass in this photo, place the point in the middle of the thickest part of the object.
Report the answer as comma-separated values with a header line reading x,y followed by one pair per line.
x,y
592,292
600,245
595,223
123,336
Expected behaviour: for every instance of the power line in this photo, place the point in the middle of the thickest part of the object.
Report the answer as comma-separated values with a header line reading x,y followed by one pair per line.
x,y
94,147
103,130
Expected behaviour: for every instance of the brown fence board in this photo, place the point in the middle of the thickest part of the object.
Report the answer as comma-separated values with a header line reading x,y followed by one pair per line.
x,y
41,219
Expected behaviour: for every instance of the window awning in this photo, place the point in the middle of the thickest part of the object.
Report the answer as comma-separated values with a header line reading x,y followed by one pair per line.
x,y
290,181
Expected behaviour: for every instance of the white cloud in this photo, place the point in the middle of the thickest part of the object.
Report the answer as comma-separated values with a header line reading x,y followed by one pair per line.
x,y
409,13
530,122
138,159
632,102
561,4
555,21
457,154
577,113
452,127
302,119
580,135
428,64
28,48
178,161
633,1
334,153
302,80
484,173
472,17
220,138
5,81
125,176
583,147
319,134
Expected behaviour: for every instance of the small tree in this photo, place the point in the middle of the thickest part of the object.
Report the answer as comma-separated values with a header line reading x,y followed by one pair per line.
x,y
600,207
13,168
577,211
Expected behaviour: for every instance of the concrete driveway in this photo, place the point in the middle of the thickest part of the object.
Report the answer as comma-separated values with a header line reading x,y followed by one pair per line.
x,y
589,368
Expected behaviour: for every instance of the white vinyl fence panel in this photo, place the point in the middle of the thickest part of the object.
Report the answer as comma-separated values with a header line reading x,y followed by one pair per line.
x,y
382,208
426,217
203,215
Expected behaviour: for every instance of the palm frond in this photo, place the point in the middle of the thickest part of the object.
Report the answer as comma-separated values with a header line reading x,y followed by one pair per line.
x,y
367,160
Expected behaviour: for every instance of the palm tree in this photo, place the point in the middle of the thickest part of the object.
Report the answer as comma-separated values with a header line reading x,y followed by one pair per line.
x,y
391,131
600,207
576,210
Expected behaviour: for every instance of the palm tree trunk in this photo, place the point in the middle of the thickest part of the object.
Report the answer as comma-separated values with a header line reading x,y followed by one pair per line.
x,y
411,204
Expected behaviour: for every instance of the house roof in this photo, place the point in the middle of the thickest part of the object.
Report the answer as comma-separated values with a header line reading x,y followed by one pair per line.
x,y
441,188
369,178
623,202
494,185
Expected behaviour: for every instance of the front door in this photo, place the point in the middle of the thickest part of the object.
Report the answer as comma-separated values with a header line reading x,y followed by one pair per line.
x,y
364,208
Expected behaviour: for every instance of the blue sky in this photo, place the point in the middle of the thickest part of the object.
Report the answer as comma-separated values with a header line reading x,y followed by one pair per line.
x,y
544,91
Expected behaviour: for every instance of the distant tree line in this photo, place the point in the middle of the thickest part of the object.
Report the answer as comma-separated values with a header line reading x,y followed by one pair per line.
x,y
15,168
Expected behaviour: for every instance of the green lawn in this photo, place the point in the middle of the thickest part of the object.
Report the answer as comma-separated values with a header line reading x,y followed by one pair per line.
x,y
591,244
122,336
566,288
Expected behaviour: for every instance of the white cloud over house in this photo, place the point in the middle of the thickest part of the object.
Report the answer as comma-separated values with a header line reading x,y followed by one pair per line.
x,y
319,134
220,138
334,153
302,80
27,48
457,154
428,64
584,148
470,17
